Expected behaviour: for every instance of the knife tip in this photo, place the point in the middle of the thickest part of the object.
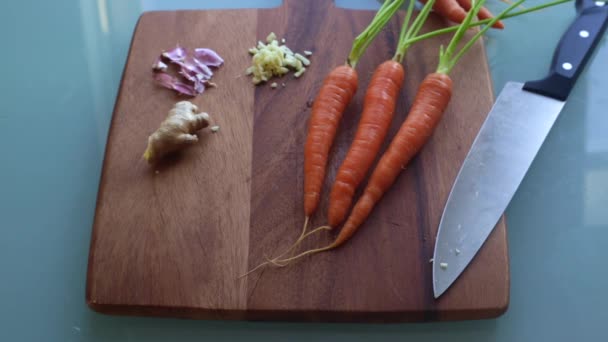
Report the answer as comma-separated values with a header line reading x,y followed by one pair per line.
x,y
437,290
438,293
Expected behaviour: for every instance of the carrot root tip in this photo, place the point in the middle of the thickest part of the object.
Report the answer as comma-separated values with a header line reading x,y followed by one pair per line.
x,y
253,270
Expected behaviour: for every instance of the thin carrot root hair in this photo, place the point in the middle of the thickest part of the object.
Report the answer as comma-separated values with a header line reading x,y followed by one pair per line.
x,y
285,262
302,237
277,261
271,261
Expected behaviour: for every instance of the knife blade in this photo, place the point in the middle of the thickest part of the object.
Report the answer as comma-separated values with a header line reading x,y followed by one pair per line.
x,y
506,145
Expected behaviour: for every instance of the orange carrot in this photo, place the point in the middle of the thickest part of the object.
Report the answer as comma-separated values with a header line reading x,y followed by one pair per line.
x,y
335,94
378,109
456,11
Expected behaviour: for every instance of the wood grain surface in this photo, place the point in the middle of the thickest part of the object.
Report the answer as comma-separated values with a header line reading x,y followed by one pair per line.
x,y
173,243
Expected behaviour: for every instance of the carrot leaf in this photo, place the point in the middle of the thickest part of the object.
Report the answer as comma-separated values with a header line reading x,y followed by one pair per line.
x,y
407,31
445,59
363,40
406,22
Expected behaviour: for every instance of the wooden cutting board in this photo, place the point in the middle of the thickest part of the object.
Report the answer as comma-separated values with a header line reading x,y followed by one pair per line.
x,y
172,243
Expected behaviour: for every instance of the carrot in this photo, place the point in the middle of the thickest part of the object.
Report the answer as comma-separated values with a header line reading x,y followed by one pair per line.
x,y
456,11
431,100
378,108
335,94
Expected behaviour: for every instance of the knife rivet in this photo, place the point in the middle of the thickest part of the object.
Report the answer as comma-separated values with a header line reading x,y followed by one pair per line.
x,y
567,66
583,33
600,3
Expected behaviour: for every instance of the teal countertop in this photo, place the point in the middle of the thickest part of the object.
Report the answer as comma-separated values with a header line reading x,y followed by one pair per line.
x,y
62,61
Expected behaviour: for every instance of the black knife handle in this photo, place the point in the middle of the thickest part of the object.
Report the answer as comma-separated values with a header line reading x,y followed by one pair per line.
x,y
573,50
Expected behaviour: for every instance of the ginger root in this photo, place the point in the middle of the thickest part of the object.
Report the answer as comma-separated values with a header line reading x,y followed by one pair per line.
x,y
176,132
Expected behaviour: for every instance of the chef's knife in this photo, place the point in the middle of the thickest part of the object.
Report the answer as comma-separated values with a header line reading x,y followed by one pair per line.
x,y
506,145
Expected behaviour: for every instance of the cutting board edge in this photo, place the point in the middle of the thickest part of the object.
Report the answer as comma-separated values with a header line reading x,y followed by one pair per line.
x,y
302,316
90,287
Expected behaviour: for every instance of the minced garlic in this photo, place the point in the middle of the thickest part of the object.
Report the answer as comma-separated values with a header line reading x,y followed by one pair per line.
x,y
272,59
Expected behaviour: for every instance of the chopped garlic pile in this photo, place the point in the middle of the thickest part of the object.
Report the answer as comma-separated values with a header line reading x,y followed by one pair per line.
x,y
272,59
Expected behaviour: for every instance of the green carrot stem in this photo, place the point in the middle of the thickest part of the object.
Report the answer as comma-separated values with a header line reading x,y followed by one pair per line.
x,y
421,19
450,29
446,55
406,22
414,29
407,34
363,40
358,44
